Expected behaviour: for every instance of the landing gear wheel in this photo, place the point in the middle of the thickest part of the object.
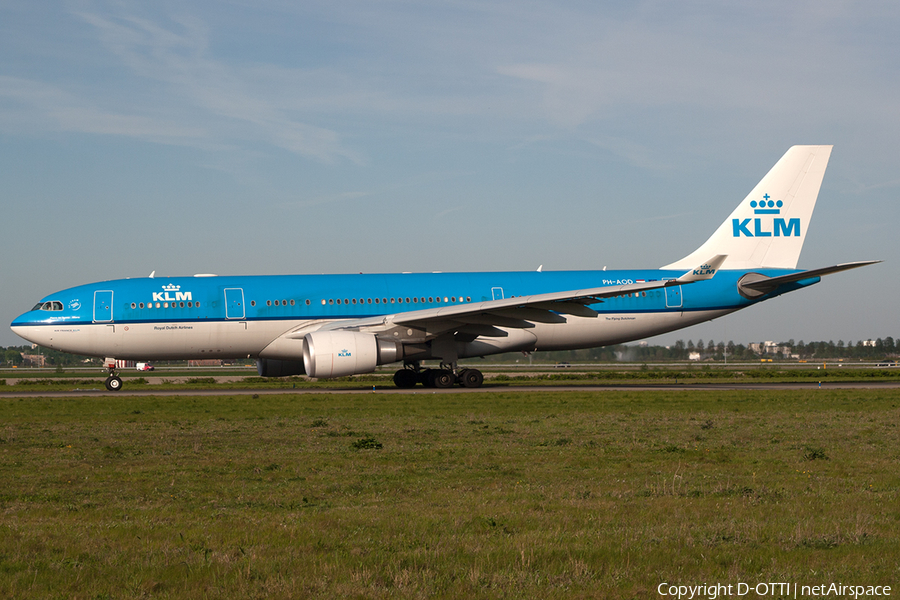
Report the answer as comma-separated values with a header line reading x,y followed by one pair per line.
x,y
471,378
440,378
406,379
113,383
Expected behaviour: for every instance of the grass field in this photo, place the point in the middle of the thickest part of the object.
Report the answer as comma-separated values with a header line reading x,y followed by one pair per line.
x,y
496,495
12,380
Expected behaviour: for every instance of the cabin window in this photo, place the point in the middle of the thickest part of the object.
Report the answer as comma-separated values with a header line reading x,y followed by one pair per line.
x,y
354,301
331,301
133,305
415,300
369,301
292,301
430,299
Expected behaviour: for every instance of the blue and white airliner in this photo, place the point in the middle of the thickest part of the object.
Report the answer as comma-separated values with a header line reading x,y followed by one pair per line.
x,y
336,325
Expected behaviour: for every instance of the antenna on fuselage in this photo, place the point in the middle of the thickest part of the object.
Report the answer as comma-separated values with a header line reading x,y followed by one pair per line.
x,y
152,273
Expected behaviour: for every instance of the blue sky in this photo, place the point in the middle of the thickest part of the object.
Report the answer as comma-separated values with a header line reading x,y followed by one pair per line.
x,y
283,137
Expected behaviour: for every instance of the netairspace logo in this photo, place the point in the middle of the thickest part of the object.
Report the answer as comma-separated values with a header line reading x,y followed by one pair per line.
x,y
762,227
781,589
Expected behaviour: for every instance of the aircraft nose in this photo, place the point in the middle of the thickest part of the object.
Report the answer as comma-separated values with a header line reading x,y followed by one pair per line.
x,y
23,326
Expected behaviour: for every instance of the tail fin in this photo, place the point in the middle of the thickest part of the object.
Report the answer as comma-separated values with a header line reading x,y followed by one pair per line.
x,y
767,229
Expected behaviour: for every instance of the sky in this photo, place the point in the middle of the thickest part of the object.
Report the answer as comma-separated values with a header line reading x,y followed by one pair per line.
x,y
272,137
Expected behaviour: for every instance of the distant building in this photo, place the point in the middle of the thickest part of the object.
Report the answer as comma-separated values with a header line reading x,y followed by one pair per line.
x,y
208,362
769,347
34,360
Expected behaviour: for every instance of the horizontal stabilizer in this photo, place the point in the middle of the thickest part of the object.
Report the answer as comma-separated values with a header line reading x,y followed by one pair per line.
x,y
754,284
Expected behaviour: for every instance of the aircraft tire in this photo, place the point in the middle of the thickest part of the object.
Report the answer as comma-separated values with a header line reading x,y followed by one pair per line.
x,y
114,384
471,378
441,378
406,379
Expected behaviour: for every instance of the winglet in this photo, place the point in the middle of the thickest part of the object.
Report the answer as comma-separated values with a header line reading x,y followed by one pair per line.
x,y
705,271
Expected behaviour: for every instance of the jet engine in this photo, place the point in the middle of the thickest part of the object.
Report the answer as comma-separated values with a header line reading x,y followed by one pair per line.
x,y
339,353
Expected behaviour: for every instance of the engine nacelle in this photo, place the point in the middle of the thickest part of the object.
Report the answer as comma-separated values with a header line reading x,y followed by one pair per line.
x,y
272,367
339,353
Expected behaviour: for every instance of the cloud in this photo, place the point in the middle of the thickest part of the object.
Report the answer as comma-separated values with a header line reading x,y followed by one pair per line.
x,y
162,83
39,106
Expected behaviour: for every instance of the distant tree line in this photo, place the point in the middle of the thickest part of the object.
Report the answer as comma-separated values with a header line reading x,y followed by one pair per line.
x,y
881,348
17,356
711,350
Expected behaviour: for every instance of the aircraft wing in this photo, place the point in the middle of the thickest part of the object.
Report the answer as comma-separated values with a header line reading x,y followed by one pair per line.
x,y
521,312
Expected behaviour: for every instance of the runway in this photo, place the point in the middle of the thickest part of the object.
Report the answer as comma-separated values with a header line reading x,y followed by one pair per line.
x,y
100,390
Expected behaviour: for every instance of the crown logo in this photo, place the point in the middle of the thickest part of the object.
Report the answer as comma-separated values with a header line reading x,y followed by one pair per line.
x,y
766,206
171,288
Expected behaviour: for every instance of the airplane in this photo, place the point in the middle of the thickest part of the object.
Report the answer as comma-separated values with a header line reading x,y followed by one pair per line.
x,y
327,326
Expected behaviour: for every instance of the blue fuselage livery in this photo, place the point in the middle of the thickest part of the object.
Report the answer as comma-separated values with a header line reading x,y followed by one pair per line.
x,y
336,325
139,317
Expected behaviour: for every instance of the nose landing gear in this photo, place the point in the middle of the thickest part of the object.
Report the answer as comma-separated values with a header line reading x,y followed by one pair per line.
x,y
113,382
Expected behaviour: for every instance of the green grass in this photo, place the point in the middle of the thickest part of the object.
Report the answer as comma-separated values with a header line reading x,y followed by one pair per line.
x,y
496,495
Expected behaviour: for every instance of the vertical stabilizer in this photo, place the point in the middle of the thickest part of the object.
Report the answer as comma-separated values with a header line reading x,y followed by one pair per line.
x,y
767,229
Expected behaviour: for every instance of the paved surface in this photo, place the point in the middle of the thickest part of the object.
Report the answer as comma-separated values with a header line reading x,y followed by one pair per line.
x,y
100,390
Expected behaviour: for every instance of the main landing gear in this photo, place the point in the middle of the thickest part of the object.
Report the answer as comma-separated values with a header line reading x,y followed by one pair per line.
x,y
113,382
445,377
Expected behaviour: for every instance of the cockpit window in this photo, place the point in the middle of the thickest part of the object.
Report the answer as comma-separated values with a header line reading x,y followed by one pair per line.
x,y
52,305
